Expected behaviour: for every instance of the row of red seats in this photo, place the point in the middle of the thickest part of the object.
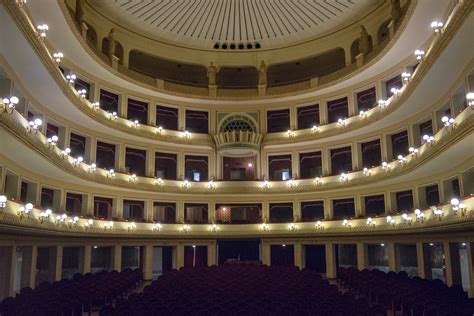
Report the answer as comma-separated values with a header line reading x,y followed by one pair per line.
x,y
407,296
72,296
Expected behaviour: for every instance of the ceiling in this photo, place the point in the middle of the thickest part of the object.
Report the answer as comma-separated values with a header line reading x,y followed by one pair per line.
x,y
203,23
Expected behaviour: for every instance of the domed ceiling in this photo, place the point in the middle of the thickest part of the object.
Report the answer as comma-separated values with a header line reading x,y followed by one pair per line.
x,y
208,23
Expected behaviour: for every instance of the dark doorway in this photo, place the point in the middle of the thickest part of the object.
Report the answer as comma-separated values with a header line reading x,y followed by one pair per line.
x,y
238,250
315,258
282,255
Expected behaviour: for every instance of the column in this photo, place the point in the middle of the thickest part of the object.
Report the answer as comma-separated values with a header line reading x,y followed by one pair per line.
x,y
378,90
10,277
59,263
361,256
296,211
147,262
148,210
331,268
356,156
293,116
121,158
295,170
416,197
117,258
93,150
452,263
117,209
180,211
181,165
181,119
211,217
326,161
359,207
393,262
298,249
323,113
86,266
265,253
328,211
179,256
152,114
150,163
386,148
34,259
123,106
265,211
352,106
422,256
212,254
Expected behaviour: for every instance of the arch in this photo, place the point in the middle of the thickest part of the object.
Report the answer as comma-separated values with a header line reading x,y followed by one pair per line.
x,y
383,33
118,49
91,35
238,122
355,48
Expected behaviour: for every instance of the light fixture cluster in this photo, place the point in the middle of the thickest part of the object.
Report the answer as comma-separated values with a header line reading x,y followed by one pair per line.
x,y
71,78
290,133
9,104
420,54
428,139
470,99
53,140
58,56
42,30
437,26
24,211
447,120
34,125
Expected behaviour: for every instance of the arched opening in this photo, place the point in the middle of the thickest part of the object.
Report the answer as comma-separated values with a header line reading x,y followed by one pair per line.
x,y
355,48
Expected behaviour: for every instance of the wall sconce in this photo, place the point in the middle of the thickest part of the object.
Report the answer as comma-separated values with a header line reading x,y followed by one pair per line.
x,y
366,171
71,78
362,114
111,173
92,167
65,153
185,134
158,181
402,160
437,212
437,26
290,133
25,210
211,185
77,161
185,229
108,226
385,166
9,104
214,228
428,139
420,216
95,105
21,3
159,130
406,76
292,227
72,222
88,224
157,227
264,227
420,54
44,215
132,178
42,30
341,122
317,181
57,56
135,124
131,226
113,116
34,125
291,183
448,121
382,103
53,140
470,99
315,129
343,177
407,218
458,207
3,202
319,225
370,222
347,223
413,151
266,184
185,184
82,93
390,220
60,219
395,91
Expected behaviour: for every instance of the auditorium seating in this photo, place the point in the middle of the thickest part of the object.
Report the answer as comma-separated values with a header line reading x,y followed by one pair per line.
x,y
72,297
241,289
407,296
